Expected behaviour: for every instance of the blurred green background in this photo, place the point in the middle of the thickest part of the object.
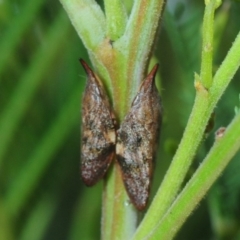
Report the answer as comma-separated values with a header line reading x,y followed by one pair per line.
x,y
41,83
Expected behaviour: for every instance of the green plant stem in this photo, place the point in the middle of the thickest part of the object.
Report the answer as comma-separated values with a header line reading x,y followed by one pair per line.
x,y
207,44
219,156
204,104
140,35
28,84
116,17
225,72
119,217
88,19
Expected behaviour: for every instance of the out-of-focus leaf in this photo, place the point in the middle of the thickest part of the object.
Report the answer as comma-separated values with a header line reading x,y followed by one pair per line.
x,y
14,34
29,83
28,178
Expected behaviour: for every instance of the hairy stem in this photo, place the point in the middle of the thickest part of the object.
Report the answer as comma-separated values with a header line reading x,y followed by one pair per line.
x,y
221,153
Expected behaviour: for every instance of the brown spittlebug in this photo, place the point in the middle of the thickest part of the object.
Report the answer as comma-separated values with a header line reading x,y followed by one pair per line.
x,y
98,130
137,140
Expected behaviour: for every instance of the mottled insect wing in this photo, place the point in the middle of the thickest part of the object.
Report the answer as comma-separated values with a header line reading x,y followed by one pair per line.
x,y
98,130
137,140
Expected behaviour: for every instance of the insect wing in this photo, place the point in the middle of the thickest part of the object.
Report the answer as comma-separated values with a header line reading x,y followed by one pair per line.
x,y
137,140
98,130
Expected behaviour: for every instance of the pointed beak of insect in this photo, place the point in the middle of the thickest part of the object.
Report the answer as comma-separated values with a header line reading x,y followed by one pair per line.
x,y
87,69
149,82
